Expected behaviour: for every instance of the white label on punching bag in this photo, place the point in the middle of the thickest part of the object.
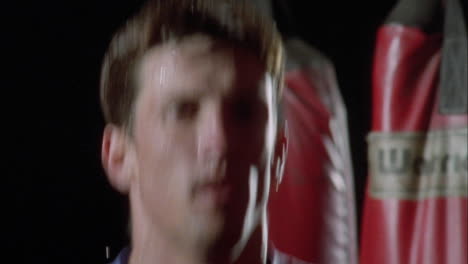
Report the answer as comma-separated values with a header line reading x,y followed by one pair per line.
x,y
418,165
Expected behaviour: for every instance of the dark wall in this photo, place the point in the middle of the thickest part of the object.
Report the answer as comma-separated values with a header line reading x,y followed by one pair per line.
x,y
60,209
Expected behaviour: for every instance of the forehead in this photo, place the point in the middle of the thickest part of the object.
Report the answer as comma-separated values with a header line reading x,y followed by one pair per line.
x,y
198,63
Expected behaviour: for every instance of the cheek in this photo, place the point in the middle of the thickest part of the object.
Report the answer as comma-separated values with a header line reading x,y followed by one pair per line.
x,y
164,162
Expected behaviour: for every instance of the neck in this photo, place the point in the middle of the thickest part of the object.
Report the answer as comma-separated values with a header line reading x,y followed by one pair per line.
x,y
150,246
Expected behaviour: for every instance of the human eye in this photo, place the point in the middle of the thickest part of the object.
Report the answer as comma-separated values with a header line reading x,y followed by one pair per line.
x,y
183,110
244,110
186,110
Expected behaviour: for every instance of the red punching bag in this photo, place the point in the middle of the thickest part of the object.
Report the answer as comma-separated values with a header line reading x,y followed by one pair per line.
x,y
311,212
416,201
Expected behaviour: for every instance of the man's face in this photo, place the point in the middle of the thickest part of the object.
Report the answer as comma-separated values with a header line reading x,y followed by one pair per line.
x,y
203,127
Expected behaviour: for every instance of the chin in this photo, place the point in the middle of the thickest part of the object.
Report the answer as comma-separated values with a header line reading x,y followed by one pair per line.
x,y
215,233
208,227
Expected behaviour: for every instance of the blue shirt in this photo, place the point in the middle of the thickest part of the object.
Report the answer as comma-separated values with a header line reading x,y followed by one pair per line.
x,y
122,258
277,258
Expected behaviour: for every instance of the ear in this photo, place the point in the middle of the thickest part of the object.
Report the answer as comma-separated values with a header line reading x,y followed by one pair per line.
x,y
280,155
117,158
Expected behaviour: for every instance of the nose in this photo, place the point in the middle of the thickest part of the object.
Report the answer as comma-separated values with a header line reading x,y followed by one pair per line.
x,y
212,140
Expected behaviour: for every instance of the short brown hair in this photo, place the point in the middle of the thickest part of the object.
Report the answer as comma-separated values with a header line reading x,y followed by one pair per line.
x,y
160,21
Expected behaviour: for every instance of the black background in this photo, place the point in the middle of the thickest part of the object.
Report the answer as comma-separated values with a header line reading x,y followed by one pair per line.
x,y
59,206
